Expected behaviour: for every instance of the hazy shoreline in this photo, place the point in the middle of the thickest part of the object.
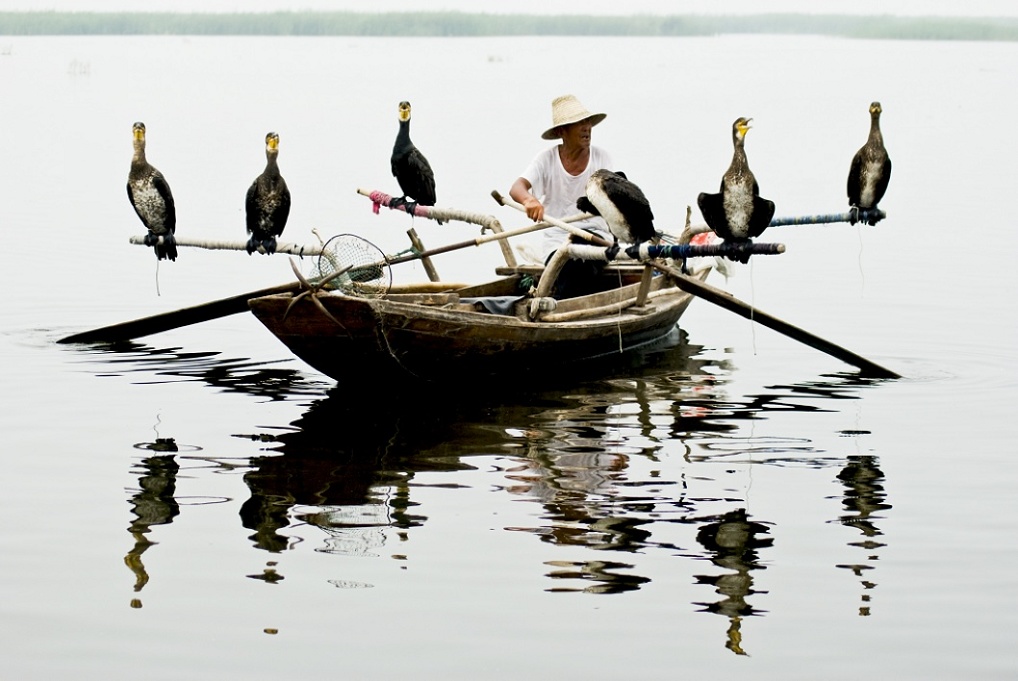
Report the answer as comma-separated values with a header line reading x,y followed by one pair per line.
x,y
461,24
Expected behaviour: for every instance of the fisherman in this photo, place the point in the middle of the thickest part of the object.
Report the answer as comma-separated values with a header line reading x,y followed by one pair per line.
x,y
558,176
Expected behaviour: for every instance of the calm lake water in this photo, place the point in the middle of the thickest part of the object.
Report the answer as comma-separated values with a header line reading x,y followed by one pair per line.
x,y
202,505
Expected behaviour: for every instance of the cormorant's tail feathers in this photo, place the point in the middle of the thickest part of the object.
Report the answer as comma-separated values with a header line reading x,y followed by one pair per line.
x,y
584,204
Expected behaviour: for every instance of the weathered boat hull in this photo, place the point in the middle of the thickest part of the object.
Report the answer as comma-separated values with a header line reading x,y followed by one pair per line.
x,y
367,338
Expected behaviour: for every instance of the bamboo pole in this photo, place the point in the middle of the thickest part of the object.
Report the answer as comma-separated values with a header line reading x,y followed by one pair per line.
x,y
429,267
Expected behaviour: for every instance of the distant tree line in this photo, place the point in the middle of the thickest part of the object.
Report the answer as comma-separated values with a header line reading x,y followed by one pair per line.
x,y
461,24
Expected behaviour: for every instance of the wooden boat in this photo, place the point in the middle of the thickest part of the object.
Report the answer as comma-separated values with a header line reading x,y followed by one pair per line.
x,y
437,331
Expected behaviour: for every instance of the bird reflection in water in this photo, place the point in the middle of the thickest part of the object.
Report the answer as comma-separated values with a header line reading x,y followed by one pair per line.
x,y
153,504
864,498
733,540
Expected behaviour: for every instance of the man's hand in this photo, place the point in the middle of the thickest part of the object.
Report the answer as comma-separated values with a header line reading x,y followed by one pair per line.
x,y
535,209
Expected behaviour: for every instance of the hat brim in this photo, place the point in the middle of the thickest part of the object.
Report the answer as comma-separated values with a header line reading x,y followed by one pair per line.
x,y
553,133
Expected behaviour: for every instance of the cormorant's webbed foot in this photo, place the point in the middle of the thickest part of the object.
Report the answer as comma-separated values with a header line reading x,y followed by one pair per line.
x,y
853,214
743,252
165,250
266,246
611,251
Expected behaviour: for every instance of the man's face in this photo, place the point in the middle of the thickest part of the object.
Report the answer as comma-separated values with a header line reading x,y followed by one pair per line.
x,y
577,134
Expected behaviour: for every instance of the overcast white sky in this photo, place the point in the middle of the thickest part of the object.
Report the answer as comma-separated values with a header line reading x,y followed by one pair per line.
x,y
876,7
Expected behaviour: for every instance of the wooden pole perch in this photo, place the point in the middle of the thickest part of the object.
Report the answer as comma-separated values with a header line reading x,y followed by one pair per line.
x,y
380,199
213,245
828,218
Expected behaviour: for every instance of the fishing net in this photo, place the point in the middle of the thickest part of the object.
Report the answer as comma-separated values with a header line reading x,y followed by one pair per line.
x,y
364,268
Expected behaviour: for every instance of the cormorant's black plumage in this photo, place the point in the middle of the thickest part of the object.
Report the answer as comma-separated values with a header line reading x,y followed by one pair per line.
x,y
622,205
410,168
268,202
870,172
737,212
152,200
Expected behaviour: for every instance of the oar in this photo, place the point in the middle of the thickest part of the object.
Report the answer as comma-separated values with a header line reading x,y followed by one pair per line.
x,y
733,304
166,321
238,303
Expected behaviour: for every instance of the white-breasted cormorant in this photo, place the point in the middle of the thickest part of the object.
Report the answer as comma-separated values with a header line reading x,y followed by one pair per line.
x,y
410,168
622,205
870,172
268,202
737,212
152,200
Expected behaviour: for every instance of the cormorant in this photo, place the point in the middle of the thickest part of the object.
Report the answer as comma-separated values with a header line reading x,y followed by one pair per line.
x,y
410,168
268,202
152,200
737,212
622,205
870,172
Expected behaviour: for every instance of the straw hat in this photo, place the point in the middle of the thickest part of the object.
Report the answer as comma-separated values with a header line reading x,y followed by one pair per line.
x,y
566,110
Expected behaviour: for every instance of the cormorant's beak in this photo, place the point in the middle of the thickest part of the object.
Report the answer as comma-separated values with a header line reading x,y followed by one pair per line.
x,y
273,142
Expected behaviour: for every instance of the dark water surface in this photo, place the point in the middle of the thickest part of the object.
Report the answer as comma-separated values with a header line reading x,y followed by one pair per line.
x,y
200,504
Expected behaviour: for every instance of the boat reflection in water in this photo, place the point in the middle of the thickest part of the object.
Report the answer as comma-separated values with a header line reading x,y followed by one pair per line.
x,y
612,463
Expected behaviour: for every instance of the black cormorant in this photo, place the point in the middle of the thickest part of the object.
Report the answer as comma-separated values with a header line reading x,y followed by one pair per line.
x,y
622,205
152,200
268,202
410,168
737,212
870,172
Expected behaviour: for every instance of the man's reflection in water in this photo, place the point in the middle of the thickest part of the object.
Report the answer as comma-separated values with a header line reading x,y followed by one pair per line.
x,y
733,540
152,504
585,505
864,498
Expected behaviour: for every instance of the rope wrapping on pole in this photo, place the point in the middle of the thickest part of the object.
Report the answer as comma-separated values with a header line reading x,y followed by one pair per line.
x,y
734,250
645,251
